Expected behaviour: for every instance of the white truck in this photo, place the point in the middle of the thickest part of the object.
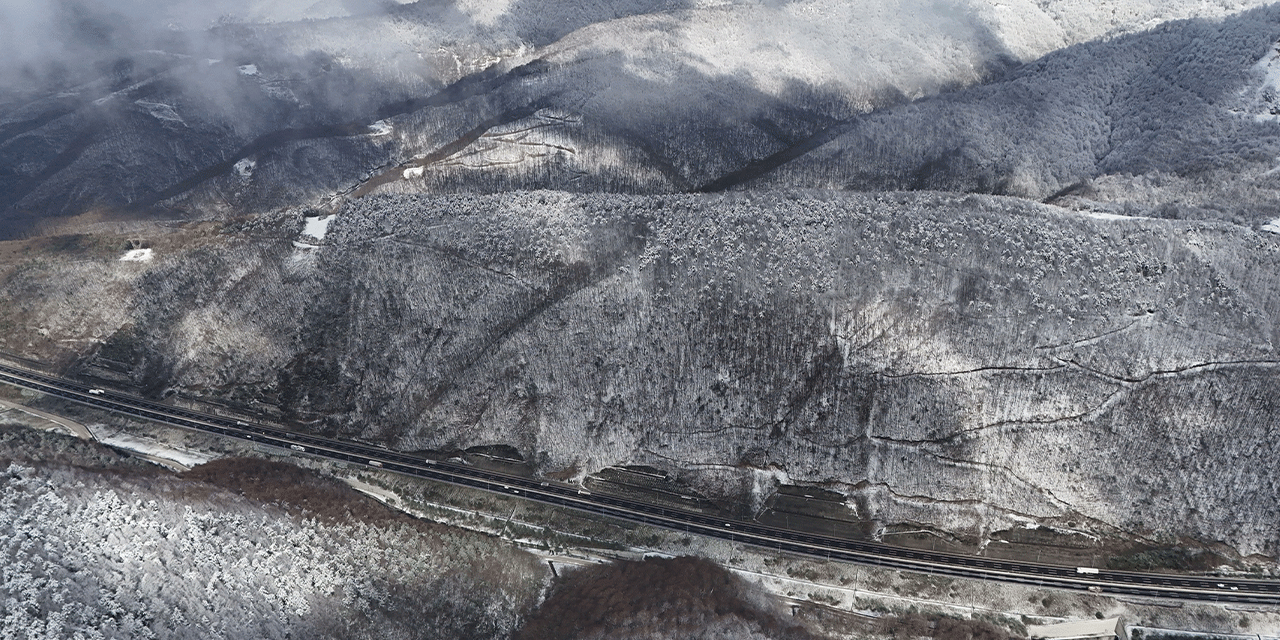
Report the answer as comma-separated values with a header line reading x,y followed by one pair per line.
x,y
97,392
1088,570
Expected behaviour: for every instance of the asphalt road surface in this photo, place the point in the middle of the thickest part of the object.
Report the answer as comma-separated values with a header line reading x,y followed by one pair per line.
x,y
1177,587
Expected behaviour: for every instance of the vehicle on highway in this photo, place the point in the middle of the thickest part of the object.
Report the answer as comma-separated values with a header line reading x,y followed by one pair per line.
x,y
97,392
375,463
460,473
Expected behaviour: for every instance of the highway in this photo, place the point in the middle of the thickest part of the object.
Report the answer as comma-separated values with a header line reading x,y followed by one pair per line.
x,y
1177,587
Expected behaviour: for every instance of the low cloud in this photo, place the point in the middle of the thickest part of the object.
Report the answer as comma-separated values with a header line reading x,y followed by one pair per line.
x,y
52,43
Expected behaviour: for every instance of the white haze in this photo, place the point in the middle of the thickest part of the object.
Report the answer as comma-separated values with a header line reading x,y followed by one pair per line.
x,y
54,39
52,43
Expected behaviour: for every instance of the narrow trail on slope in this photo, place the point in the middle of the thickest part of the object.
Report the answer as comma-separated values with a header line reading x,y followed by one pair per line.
x,y
762,166
446,151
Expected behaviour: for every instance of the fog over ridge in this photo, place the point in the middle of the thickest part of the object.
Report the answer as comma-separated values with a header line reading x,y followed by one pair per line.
x,y
61,40
51,40
143,108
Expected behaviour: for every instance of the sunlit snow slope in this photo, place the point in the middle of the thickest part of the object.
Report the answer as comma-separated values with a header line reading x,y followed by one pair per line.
x,y
251,108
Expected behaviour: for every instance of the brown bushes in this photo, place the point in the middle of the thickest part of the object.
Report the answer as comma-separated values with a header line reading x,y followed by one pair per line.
x,y
19,443
914,625
681,597
297,490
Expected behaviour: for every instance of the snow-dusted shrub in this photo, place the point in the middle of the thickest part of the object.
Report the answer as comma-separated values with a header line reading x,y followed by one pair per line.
x,y
89,552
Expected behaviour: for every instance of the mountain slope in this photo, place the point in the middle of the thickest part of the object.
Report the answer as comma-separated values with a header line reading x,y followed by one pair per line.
x,y
964,362
637,97
1187,101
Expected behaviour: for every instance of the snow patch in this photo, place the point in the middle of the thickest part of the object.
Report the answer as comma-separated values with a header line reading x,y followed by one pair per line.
x,y
317,227
137,255
380,128
160,111
1101,215
485,12
153,449
245,167
1273,226
1268,94
1021,521
248,69
415,172
765,482
279,92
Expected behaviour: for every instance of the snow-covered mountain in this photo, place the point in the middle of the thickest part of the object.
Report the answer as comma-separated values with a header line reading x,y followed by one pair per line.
x,y
642,97
714,264
967,363
1189,103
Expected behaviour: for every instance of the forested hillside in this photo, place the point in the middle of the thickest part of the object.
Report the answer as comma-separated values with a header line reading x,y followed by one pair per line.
x,y
100,546
967,272
262,110
966,361
1188,106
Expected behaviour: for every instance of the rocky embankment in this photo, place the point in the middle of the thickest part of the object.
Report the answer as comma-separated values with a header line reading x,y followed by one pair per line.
x,y
970,363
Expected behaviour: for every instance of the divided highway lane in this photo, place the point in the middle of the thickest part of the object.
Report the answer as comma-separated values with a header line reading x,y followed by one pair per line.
x,y
868,553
